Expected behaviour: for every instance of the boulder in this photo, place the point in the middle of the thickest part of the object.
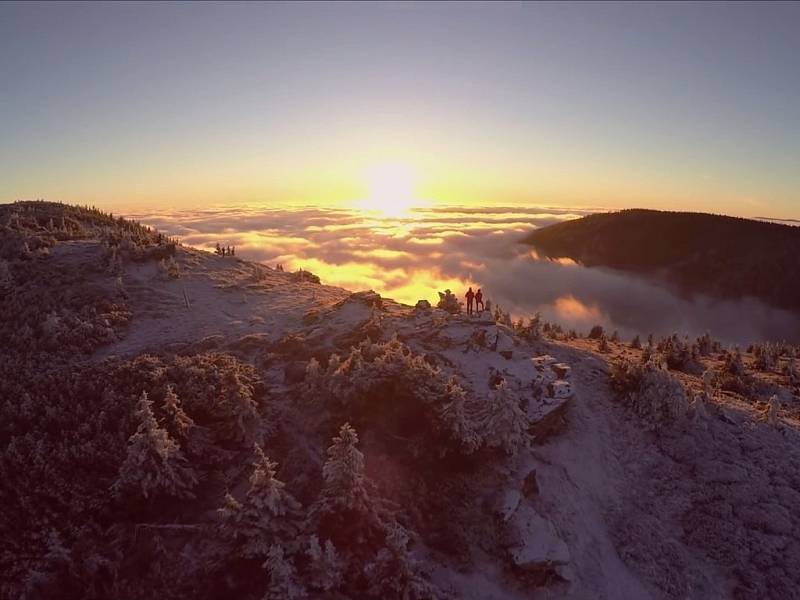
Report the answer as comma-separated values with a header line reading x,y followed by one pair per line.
x,y
541,363
504,345
559,389
540,549
530,485
369,298
562,370
506,504
547,418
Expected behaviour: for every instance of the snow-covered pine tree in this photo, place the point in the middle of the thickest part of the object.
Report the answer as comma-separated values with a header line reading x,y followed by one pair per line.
x,y
457,421
283,582
344,512
393,573
325,569
176,421
343,473
268,514
503,423
154,464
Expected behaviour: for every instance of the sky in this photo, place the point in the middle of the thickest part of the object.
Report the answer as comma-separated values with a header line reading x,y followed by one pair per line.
x,y
674,105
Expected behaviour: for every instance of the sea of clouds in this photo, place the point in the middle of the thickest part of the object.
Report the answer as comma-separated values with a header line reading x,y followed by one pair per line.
x,y
413,256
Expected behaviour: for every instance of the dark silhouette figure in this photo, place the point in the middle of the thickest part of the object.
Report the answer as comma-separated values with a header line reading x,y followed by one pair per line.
x,y
470,296
233,251
218,250
479,301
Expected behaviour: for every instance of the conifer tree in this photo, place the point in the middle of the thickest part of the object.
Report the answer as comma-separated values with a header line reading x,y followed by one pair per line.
x,y
268,514
283,583
154,464
325,567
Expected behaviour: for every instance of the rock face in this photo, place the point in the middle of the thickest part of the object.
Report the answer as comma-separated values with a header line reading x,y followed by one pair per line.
x,y
540,550
559,389
504,345
552,384
530,486
369,298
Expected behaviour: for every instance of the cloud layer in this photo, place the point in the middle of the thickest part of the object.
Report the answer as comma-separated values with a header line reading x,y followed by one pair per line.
x,y
412,257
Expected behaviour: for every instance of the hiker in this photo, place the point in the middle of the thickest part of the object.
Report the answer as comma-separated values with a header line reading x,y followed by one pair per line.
x,y
470,295
479,301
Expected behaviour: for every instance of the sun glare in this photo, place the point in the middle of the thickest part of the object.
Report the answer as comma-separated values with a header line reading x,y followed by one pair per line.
x,y
391,189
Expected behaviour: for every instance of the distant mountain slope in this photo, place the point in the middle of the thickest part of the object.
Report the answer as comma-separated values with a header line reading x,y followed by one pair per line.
x,y
700,253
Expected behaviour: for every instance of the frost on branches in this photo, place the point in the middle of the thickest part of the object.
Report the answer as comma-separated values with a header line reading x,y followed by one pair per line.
x,y
268,514
154,464
650,391
503,422
343,472
393,573
283,582
325,570
449,302
389,384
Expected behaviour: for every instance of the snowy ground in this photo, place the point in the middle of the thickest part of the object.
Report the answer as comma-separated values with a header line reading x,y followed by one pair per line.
x,y
595,508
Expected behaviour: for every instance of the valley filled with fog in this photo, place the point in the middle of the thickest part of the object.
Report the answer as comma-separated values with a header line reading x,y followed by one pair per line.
x,y
414,255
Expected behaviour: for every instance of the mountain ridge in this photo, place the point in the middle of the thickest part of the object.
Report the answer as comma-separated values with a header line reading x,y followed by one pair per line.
x,y
699,253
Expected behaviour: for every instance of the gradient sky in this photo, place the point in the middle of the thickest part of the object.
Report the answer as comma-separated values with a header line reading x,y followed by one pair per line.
x,y
688,106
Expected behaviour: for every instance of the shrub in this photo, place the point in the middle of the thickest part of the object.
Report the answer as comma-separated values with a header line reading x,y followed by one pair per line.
x,y
417,400
766,356
650,391
448,302
596,332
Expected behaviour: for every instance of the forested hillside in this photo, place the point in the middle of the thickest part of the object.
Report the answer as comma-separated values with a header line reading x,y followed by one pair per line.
x,y
720,256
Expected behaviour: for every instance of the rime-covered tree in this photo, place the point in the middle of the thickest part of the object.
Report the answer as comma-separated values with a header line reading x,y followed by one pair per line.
x,y
176,421
392,573
154,464
343,473
345,512
268,514
456,419
283,582
325,568
503,423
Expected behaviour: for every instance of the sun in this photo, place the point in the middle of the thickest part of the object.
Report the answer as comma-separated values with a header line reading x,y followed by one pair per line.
x,y
391,189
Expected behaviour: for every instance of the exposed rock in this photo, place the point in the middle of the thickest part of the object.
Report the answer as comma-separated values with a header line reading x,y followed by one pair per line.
x,y
541,363
530,485
559,389
369,298
562,370
504,345
548,418
540,549
505,504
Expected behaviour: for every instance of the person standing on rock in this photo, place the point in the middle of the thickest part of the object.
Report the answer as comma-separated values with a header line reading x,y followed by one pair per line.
x,y
479,301
470,295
